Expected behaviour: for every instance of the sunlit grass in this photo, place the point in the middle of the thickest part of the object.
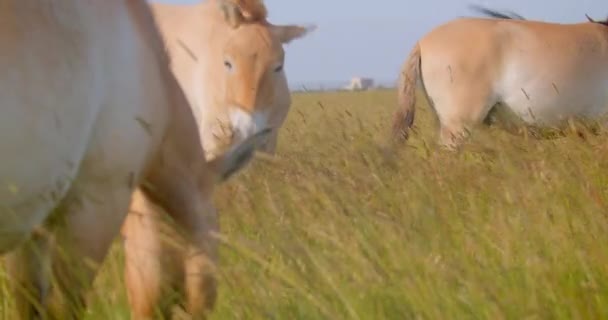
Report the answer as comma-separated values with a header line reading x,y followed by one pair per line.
x,y
337,227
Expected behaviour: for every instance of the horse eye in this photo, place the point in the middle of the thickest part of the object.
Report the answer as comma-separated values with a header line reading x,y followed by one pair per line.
x,y
278,69
228,65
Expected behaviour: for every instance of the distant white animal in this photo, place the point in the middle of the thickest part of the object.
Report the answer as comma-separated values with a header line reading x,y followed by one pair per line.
x,y
359,83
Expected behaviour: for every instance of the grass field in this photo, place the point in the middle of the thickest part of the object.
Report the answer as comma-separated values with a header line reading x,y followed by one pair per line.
x,y
336,227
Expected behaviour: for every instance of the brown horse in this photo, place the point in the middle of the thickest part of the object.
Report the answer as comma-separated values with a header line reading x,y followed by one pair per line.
x,y
540,73
90,113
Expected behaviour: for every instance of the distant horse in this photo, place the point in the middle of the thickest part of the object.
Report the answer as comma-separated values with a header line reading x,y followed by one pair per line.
x,y
90,113
537,72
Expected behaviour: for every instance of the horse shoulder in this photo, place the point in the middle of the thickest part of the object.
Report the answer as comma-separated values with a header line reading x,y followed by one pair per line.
x,y
136,105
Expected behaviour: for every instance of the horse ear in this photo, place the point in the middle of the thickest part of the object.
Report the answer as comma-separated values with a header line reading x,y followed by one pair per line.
x,y
232,13
288,33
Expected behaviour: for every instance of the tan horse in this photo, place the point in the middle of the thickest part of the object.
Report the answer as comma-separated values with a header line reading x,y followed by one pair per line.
x,y
90,111
230,62
537,73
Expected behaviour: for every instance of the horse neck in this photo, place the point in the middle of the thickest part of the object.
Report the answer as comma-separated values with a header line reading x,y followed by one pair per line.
x,y
182,131
172,179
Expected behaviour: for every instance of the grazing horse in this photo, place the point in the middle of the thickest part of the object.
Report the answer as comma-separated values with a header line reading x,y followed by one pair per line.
x,y
90,113
531,72
230,62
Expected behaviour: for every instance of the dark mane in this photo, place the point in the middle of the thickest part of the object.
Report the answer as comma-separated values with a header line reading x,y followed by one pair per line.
x,y
602,22
510,15
496,14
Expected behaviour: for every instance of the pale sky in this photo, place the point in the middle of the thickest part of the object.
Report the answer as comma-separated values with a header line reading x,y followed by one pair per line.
x,y
373,37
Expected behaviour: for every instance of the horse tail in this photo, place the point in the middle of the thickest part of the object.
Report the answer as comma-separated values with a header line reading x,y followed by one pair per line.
x,y
406,94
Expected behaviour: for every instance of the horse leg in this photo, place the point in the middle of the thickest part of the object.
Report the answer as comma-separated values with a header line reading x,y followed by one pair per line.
x,y
192,230
200,259
192,221
187,197
28,269
460,113
452,134
149,274
87,222
146,272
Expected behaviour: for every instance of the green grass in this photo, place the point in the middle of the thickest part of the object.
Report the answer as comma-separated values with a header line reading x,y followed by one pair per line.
x,y
337,227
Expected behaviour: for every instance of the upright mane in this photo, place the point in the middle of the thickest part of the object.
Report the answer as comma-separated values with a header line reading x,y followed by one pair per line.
x,y
514,16
602,22
248,10
496,14
253,10
237,12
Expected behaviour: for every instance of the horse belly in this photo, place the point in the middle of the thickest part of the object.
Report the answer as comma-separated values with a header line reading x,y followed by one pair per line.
x,y
548,96
543,105
49,103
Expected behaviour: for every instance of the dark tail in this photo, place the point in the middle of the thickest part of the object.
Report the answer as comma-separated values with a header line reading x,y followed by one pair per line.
x,y
495,14
406,95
